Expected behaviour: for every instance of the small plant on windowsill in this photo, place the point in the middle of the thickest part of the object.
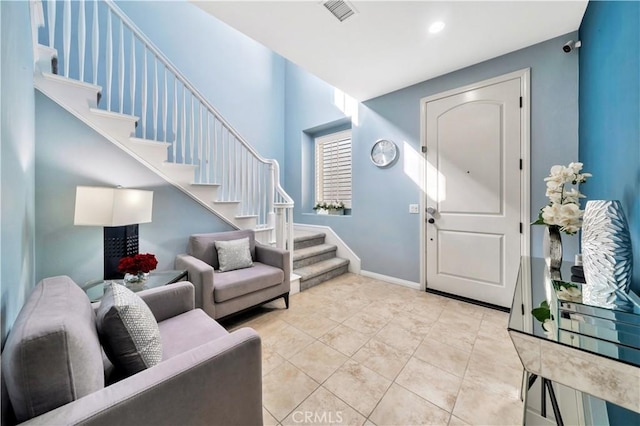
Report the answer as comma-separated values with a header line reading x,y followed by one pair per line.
x,y
329,207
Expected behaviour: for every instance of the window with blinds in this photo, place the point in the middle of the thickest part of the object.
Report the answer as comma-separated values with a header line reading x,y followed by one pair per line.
x,y
333,168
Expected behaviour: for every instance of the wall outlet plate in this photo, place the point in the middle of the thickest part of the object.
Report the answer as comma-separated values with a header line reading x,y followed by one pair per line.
x,y
414,208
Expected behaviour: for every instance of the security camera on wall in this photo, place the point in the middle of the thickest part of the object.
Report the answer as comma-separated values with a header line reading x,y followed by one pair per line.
x,y
570,45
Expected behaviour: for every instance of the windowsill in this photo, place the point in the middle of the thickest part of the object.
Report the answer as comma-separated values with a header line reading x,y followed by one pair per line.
x,y
326,215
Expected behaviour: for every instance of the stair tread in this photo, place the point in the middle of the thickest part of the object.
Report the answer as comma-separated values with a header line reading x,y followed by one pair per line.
x,y
66,80
306,252
114,114
304,236
151,142
312,271
246,216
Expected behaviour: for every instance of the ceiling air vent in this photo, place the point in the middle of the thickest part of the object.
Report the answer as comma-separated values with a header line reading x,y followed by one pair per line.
x,y
340,9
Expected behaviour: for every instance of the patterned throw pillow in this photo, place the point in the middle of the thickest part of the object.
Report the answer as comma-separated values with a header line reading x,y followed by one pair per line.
x,y
234,254
128,330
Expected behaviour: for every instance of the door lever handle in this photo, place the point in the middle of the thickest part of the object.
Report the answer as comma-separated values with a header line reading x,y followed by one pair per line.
x,y
431,211
431,220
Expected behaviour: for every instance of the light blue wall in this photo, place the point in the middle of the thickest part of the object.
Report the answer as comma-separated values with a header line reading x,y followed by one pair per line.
x,y
610,109
68,154
380,229
17,258
238,76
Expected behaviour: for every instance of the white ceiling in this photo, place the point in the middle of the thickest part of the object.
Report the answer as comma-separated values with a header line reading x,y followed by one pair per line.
x,y
387,46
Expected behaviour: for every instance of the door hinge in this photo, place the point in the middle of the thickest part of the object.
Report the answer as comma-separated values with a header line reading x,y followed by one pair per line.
x,y
521,227
521,164
520,101
522,308
424,149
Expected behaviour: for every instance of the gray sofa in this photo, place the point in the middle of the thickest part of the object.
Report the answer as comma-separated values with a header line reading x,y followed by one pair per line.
x,y
221,294
54,371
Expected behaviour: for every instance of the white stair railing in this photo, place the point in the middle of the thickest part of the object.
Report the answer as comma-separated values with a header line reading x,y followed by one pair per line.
x,y
109,50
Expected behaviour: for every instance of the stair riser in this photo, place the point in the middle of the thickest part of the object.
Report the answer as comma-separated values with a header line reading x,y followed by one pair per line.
x,y
313,259
155,155
304,285
308,243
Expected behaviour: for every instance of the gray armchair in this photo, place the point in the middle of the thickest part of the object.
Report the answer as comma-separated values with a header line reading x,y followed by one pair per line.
x,y
221,294
55,373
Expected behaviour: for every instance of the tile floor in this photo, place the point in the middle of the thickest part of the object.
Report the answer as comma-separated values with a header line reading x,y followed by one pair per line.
x,y
357,351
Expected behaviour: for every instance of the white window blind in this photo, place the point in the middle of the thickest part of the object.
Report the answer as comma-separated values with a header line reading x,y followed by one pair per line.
x,y
333,168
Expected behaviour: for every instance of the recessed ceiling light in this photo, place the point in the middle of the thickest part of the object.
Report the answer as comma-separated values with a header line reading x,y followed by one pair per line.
x,y
436,27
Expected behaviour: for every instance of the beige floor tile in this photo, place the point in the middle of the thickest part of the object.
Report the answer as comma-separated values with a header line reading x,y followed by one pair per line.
x,y
358,386
494,375
386,309
453,335
345,339
399,338
477,406
287,341
268,419
454,421
270,360
496,318
499,348
365,322
431,383
267,328
314,325
324,408
460,319
465,308
284,388
415,324
381,358
369,423
448,358
401,407
318,360
426,308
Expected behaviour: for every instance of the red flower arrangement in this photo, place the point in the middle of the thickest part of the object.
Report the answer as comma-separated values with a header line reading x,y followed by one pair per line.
x,y
138,263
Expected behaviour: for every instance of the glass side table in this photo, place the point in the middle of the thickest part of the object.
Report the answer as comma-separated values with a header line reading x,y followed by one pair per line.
x,y
95,289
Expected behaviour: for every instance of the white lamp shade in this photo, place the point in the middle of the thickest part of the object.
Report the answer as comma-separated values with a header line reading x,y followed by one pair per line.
x,y
98,206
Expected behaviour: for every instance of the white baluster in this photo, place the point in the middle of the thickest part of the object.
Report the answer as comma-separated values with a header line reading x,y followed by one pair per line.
x,y
192,138
183,126
223,161
202,159
209,162
245,195
95,42
66,35
132,74
165,111
154,119
175,119
82,38
109,59
51,18
121,68
143,103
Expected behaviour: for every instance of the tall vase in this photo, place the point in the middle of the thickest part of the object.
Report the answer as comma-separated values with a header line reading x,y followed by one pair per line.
x,y
552,247
606,252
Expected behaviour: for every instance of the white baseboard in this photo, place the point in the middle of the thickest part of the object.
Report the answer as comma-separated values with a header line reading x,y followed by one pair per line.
x,y
332,238
392,280
295,284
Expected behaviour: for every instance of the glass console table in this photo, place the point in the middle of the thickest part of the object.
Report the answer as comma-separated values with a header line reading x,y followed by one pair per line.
x,y
590,351
95,289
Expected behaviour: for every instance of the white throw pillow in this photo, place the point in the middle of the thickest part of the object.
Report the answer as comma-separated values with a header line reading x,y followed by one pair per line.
x,y
234,254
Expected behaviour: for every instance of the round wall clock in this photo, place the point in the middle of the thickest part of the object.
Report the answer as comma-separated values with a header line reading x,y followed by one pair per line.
x,y
384,153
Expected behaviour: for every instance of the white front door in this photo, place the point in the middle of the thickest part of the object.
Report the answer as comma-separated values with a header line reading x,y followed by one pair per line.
x,y
473,141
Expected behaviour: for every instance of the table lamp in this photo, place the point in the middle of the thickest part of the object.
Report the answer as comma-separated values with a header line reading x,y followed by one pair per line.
x,y
119,211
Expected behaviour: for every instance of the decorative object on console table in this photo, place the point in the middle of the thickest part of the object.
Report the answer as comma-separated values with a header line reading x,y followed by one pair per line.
x,y
606,252
563,213
136,269
119,211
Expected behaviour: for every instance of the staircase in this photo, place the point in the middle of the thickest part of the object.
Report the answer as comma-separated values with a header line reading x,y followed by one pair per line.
x,y
121,85
314,261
